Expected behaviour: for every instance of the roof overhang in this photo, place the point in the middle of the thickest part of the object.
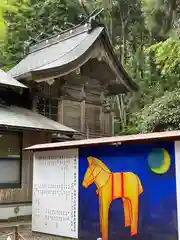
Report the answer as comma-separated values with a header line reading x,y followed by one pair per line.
x,y
7,80
116,140
65,53
57,56
17,118
121,73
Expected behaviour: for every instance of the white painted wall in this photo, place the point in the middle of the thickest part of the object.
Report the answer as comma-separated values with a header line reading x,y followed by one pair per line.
x,y
8,211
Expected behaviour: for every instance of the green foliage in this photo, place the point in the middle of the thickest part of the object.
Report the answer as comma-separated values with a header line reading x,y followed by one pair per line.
x,y
145,38
162,114
158,105
8,7
160,16
167,56
38,20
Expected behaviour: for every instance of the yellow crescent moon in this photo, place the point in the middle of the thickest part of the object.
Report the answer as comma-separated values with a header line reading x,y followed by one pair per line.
x,y
166,164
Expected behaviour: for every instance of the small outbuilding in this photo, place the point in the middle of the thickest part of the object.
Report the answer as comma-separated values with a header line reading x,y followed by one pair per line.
x,y
108,188
20,127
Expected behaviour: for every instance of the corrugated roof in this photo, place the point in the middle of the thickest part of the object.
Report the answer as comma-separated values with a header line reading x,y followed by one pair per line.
x,y
21,118
6,79
108,140
58,54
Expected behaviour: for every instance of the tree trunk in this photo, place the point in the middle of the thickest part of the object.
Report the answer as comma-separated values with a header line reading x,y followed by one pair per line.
x,y
123,45
141,65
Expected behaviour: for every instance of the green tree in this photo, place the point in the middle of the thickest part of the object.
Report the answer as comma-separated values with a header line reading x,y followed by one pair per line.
x,y
38,20
6,8
162,114
144,34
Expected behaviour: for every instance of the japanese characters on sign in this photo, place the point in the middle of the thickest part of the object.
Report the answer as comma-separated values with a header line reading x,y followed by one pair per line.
x,y
55,193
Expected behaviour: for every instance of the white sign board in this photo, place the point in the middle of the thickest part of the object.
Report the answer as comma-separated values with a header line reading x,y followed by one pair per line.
x,y
177,159
55,193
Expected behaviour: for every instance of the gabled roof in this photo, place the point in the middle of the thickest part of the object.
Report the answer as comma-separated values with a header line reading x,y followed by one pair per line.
x,y
57,52
14,117
66,52
7,80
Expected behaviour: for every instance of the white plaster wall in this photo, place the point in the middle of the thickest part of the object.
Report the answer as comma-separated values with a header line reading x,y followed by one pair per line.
x,y
7,211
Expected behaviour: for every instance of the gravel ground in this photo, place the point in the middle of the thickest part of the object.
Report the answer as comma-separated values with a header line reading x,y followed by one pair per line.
x,y
25,232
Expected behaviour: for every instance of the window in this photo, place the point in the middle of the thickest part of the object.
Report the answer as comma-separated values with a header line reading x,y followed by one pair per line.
x,y
10,160
48,107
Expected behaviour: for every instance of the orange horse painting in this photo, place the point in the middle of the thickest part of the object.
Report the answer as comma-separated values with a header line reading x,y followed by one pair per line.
x,y
110,186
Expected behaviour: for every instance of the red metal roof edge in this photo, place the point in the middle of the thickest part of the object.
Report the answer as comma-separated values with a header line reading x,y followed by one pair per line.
x,y
107,140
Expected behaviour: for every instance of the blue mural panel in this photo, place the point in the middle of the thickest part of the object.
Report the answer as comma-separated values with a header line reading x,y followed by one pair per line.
x,y
128,191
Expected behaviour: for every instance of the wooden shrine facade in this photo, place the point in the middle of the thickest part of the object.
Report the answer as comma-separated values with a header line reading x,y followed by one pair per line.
x,y
70,76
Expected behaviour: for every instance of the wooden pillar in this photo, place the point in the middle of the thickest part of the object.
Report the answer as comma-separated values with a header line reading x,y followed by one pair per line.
x,y
101,117
61,110
83,109
16,235
33,89
107,119
60,114
34,103
112,122
107,123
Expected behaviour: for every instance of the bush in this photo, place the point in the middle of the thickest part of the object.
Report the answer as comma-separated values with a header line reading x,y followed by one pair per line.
x,y
163,114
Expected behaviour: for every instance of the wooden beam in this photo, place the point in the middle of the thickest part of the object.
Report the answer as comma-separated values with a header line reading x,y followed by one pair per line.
x,y
102,113
34,98
61,110
61,102
34,104
112,122
83,108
